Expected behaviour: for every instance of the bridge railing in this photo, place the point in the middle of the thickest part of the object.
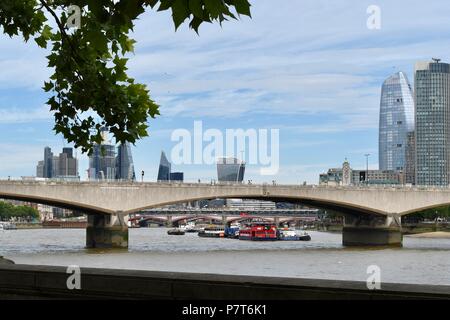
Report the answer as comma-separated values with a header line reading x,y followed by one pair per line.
x,y
45,181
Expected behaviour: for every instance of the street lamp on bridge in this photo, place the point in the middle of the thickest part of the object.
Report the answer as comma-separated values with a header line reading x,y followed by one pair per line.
x,y
367,155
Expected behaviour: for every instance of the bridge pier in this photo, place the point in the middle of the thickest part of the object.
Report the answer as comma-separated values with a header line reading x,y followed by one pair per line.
x,y
372,231
169,223
107,231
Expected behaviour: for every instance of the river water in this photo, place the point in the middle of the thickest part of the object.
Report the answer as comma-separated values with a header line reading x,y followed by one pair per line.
x,y
420,260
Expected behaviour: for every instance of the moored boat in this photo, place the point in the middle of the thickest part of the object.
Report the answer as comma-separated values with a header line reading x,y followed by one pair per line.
x,y
212,232
290,234
175,232
258,231
304,237
232,232
191,227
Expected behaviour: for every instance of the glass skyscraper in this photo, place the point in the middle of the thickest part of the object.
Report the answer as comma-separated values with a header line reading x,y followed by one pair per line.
x,y
48,163
396,121
432,95
102,162
230,170
124,163
164,168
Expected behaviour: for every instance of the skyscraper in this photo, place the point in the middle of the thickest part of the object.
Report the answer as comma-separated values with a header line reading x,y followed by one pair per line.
x,y
62,167
230,170
48,162
102,162
410,169
124,163
396,121
67,164
432,96
40,169
164,168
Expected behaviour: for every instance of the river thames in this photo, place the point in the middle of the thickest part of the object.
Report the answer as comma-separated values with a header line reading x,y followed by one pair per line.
x,y
420,260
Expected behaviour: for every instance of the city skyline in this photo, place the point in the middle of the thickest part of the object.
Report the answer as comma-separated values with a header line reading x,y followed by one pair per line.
x,y
319,85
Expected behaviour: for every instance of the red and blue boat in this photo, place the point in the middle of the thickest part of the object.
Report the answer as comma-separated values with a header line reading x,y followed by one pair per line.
x,y
258,231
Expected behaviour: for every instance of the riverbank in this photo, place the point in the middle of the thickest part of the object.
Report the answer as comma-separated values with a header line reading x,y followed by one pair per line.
x,y
431,235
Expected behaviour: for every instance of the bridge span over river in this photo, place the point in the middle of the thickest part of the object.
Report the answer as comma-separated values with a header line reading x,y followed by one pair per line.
x,y
372,214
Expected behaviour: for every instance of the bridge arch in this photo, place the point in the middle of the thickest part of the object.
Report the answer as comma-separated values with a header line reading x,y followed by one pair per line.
x,y
337,206
434,206
59,203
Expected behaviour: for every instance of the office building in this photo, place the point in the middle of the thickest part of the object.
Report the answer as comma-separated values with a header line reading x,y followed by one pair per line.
x,y
64,166
177,176
346,176
102,161
396,121
67,165
124,163
432,137
410,169
230,170
48,163
165,170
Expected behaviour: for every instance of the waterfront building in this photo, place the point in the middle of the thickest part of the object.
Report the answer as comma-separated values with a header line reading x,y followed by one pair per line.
x,y
396,121
250,205
432,97
124,163
346,173
333,177
230,170
346,176
377,177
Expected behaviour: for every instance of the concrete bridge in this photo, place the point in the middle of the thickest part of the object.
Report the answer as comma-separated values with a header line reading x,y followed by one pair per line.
x,y
372,213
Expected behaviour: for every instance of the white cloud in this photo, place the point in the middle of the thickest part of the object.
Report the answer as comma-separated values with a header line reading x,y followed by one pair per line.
x,y
15,115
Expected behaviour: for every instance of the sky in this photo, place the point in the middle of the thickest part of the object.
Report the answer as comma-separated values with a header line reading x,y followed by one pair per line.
x,y
311,69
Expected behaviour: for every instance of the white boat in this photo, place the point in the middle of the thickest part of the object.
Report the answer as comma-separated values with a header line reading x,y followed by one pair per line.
x,y
7,226
292,234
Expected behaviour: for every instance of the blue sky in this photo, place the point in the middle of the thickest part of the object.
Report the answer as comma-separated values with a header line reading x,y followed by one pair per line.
x,y
311,69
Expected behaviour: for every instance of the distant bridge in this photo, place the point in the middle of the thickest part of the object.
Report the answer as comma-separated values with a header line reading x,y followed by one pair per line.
x,y
174,220
372,214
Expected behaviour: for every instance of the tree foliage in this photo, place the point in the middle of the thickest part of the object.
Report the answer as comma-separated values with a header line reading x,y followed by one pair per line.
x,y
90,89
8,211
430,214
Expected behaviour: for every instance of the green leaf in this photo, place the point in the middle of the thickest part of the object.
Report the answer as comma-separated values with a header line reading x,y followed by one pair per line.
x,y
196,7
242,7
180,12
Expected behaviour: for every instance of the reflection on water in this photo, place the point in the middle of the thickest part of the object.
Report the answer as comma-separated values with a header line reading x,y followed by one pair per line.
x,y
419,261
